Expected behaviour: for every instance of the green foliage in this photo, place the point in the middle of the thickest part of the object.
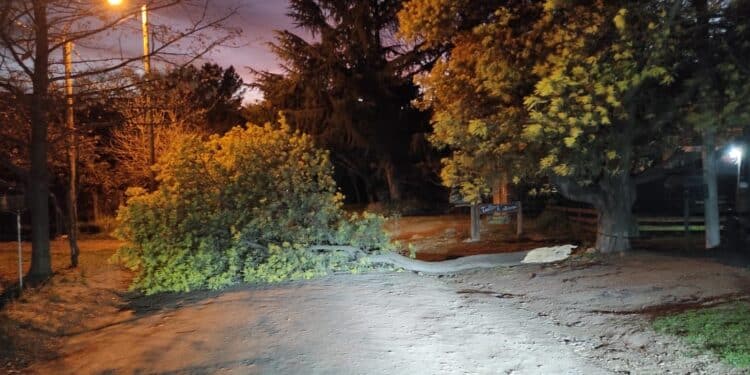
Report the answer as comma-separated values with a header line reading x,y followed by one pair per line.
x,y
716,88
363,231
224,205
290,262
555,88
724,330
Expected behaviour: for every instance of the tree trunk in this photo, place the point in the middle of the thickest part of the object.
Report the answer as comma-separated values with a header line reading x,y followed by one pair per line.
x,y
613,198
394,188
616,224
501,189
355,187
711,201
38,183
95,205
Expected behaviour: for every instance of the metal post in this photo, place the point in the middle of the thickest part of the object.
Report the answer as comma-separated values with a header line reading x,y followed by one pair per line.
x,y
737,194
20,253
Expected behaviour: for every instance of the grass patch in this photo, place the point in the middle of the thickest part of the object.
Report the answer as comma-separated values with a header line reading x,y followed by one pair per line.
x,y
724,330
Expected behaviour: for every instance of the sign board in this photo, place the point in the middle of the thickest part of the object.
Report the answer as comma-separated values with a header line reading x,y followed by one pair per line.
x,y
499,219
487,209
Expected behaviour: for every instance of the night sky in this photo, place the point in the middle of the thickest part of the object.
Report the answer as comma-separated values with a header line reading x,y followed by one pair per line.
x,y
257,20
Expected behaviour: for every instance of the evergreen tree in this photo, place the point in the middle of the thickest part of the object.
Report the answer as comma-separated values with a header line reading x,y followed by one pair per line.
x,y
351,89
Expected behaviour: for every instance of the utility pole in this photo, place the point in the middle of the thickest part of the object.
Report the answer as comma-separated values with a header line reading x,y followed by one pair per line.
x,y
147,70
72,155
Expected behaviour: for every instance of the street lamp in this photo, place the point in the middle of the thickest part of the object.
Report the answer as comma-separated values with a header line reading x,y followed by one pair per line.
x,y
73,153
147,70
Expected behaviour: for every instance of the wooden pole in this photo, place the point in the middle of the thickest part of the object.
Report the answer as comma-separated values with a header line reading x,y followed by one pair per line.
x,y
73,155
475,223
519,220
686,215
20,253
147,71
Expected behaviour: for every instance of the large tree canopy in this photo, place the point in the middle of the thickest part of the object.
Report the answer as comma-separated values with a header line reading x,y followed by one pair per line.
x,y
351,88
573,91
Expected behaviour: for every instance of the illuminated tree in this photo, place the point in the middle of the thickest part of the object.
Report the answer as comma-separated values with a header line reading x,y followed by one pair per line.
x,y
31,34
183,100
566,90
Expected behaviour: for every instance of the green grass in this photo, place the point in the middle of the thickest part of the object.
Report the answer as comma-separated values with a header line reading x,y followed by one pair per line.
x,y
724,330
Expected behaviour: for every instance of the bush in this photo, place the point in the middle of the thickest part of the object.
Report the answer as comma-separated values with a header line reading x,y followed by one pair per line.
x,y
243,206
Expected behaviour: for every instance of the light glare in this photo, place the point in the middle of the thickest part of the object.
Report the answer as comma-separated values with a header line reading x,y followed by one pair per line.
x,y
735,153
114,3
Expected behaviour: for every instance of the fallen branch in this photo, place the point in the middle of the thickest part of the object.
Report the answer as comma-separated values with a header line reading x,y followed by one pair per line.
x,y
450,266
555,253
353,251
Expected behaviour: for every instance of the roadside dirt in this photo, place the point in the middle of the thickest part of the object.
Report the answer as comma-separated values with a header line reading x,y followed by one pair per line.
x,y
588,315
438,238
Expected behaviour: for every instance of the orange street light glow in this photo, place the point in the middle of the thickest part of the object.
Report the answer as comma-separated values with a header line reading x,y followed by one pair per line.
x,y
114,2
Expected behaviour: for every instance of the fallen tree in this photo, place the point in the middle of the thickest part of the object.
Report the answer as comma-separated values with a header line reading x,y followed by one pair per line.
x,y
538,255
243,207
257,205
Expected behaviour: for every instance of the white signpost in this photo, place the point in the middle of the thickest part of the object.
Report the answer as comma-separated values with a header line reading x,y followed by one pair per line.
x,y
477,210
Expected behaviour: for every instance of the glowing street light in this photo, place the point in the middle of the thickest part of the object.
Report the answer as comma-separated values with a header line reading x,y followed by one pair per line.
x,y
147,70
736,153
144,32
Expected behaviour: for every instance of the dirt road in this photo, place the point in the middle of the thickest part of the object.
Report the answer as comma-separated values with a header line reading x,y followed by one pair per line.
x,y
588,315
396,323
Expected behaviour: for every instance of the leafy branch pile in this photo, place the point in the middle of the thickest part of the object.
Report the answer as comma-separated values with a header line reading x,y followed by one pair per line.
x,y
254,205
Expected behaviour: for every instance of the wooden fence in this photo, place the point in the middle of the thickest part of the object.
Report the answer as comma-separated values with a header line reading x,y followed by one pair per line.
x,y
585,220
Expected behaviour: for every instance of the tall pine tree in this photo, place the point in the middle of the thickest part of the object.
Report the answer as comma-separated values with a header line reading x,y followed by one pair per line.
x,y
351,89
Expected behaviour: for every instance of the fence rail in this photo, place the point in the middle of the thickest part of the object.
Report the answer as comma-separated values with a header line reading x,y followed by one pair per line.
x,y
586,219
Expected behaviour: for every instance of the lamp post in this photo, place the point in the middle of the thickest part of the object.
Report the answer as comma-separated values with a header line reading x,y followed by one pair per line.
x,y
147,71
736,153
70,122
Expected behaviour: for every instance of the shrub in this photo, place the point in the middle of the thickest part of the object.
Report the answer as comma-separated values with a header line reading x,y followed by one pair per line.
x,y
243,206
